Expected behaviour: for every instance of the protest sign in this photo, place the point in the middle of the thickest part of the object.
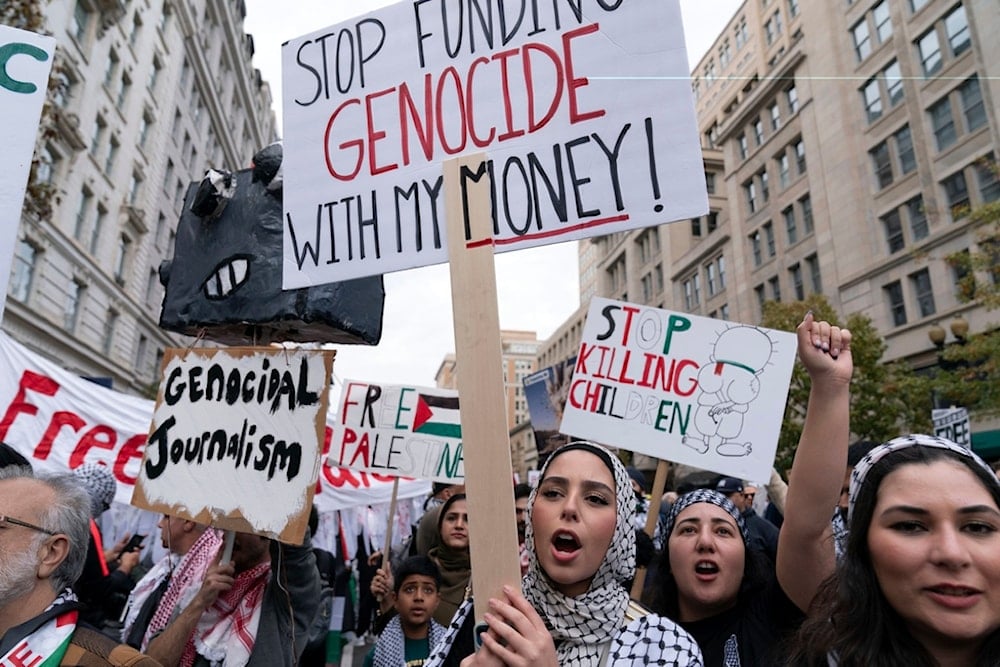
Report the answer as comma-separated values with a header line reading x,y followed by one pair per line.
x,y
25,61
694,390
236,438
545,393
399,430
582,111
953,424
59,421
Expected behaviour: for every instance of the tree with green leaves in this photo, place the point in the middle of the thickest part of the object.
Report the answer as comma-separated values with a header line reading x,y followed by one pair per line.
x,y
886,399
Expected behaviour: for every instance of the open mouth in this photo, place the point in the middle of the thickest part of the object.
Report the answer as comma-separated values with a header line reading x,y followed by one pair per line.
x,y
227,277
565,542
706,567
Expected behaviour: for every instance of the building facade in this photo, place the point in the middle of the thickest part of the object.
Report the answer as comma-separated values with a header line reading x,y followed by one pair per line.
x,y
150,93
844,143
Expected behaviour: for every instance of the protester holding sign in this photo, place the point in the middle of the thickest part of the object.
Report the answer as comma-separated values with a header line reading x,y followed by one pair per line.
x,y
247,609
581,549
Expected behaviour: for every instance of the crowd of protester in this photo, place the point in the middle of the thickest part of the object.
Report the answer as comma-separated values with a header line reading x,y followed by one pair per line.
x,y
873,554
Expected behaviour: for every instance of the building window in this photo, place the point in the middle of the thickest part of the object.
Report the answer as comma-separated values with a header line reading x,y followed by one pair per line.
x,y
956,26
791,228
711,221
872,99
775,113
658,277
759,291
79,23
924,292
110,324
882,164
741,33
897,307
972,104
95,232
893,82
25,258
121,259
725,53
795,273
807,215
720,264
930,52
111,68
769,239
893,231
755,248
750,190
82,211
904,150
793,8
696,227
711,281
812,263
74,297
792,95
765,189
956,192
862,40
647,288
775,286
942,123
744,148
918,218
126,85
97,135
783,170
988,178
724,311
109,160
151,282
134,188
710,182
883,24
800,156
758,131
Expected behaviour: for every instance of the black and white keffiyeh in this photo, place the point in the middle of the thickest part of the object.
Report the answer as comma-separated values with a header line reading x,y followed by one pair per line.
x,y
583,627
914,440
390,650
441,648
705,496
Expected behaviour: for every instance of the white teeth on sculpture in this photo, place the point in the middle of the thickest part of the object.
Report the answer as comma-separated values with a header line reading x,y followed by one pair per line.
x,y
227,278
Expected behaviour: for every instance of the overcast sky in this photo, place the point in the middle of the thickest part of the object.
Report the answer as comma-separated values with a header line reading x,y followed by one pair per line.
x,y
537,288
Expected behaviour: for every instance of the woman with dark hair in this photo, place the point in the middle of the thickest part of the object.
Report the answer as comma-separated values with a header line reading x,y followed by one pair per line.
x,y
575,609
920,581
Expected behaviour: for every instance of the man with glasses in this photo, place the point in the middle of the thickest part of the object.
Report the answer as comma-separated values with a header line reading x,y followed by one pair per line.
x,y
44,531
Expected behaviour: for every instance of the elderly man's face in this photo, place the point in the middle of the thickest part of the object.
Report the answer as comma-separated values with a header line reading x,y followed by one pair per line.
x,y
19,546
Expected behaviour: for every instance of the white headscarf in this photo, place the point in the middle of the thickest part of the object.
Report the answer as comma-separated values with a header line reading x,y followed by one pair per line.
x,y
583,627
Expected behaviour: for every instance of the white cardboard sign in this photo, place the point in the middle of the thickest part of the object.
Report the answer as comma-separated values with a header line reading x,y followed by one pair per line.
x,y
953,424
586,118
25,61
399,430
694,390
236,438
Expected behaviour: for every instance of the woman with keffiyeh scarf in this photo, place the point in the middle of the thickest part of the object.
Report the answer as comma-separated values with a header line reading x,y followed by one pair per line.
x,y
581,550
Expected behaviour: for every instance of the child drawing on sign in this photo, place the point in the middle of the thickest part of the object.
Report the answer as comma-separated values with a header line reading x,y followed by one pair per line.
x,y
729,384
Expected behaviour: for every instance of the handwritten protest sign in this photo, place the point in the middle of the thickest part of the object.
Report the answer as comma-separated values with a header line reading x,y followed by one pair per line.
x,y
583,111
399,430
25,61
236,438
689,389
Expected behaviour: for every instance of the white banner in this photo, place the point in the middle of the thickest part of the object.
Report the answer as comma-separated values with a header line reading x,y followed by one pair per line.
x,y
694,390
583,109
25,61
59,421
953,424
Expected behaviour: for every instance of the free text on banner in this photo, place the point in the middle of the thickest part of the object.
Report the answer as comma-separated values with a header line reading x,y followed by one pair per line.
x,y
583,111
694,390
59,421
25,61
236,438
399,430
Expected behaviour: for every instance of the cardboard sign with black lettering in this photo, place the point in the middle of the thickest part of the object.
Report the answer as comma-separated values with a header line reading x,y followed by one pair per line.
x,y
236,438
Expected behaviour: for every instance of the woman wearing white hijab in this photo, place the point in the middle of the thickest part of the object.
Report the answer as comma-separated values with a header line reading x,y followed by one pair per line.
x,y
581,550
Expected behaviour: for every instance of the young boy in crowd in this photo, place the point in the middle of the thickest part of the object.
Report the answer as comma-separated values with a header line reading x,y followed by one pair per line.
x,y
411,634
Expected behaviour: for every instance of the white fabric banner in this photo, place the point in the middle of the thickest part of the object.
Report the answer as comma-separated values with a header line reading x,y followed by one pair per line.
x,y
60,421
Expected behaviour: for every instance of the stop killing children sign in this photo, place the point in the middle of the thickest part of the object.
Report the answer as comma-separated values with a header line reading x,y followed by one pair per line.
x,y
694,390
583,110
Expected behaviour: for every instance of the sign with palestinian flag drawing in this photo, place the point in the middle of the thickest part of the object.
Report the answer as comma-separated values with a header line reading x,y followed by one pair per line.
x,y
399,430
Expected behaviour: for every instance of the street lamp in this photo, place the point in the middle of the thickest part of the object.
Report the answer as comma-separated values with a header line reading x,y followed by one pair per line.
x,y
959,329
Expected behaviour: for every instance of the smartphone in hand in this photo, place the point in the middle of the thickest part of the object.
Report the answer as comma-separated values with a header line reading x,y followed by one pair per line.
x,y
134,543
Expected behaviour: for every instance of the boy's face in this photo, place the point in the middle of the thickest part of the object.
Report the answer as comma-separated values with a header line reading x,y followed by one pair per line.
x,y
416,601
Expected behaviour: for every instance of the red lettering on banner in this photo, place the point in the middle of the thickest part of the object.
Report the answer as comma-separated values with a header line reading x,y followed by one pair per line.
x,y
132,449
34,382
101,436
59,419
572,83
22,656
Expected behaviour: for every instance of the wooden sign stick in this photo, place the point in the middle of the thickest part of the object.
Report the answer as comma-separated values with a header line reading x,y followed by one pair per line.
x,y
659,482
227,546
388,527
485,439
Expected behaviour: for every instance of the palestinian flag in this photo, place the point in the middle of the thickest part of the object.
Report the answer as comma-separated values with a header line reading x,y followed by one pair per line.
x,y
437,415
